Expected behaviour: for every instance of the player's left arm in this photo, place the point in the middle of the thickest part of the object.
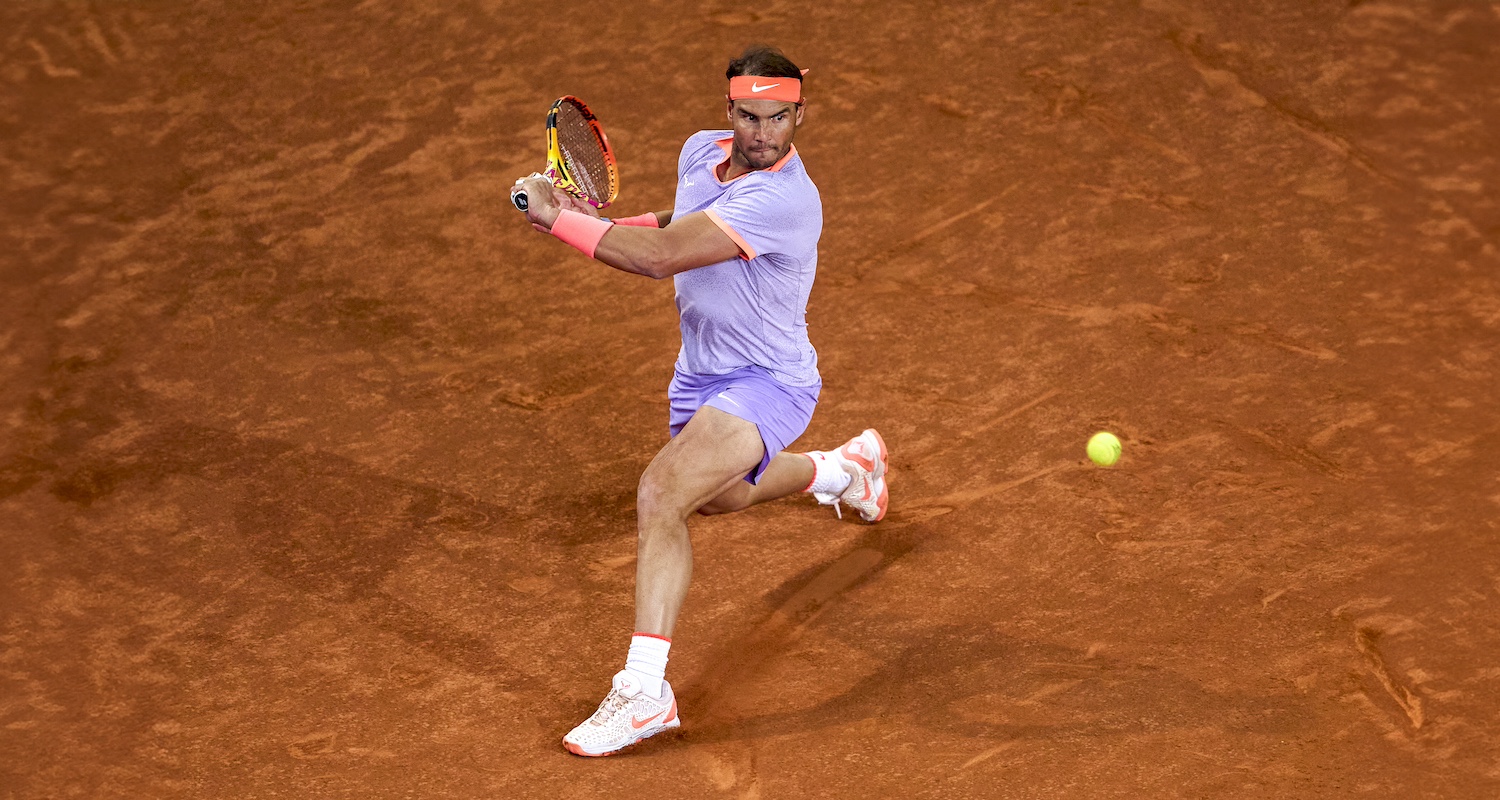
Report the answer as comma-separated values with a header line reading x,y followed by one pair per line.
x,y
683,244
571,203
688,243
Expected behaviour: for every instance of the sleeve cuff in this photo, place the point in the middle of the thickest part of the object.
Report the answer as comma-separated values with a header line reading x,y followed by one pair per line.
x,y
746,251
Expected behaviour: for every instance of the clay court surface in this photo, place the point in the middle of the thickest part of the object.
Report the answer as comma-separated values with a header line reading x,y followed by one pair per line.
x,y
317,464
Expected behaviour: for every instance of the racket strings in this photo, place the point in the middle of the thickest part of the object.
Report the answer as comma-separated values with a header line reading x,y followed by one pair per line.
x,y
583,154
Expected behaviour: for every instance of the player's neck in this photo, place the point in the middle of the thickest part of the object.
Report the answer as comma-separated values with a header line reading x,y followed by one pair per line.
x,y
733,167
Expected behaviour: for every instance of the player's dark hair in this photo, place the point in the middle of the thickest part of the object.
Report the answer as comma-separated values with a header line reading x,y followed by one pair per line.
x,y
764,61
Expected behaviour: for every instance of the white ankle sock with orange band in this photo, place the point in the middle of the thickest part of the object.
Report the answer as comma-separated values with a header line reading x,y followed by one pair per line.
x,y
647,660
581,231
829,476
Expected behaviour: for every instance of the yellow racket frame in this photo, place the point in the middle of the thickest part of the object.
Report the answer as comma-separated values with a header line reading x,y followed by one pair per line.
x,y
557,167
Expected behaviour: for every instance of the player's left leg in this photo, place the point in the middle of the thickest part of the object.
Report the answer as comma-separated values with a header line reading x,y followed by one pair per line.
x,y
854,474
787,474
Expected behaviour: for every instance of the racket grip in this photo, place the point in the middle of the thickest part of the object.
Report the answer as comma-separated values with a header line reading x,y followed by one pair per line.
x,y
518,196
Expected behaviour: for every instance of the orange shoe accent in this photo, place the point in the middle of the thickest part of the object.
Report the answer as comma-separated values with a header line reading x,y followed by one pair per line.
x,y
857,457
868,458
641,723
884,454
578,751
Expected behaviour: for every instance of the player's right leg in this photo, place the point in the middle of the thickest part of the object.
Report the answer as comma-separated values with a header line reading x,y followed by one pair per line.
x,y
713,451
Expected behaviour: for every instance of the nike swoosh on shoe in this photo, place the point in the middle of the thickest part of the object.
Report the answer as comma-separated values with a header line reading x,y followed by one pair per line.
x,y
638,723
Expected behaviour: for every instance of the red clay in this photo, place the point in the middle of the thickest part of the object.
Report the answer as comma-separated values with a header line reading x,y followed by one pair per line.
x,y
317,464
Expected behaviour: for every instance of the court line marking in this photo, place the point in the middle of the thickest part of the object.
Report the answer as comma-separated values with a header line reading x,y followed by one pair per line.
x,y
923,458
987,754
1012,414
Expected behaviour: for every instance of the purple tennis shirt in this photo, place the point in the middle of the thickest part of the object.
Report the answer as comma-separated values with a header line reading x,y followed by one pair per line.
x,y
750,310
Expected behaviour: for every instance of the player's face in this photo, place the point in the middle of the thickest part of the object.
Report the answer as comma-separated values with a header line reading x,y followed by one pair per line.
x,y
763,130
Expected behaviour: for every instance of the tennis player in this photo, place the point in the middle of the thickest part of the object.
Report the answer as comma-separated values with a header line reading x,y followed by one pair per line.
x,y
741,244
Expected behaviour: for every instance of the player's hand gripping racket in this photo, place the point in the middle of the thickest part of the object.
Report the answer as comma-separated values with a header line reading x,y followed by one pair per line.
x,y
579,159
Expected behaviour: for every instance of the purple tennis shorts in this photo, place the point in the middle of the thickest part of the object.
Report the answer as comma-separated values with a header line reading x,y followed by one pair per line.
x,y
781,412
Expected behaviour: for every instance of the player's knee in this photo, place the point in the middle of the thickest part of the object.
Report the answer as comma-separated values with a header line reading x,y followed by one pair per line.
x,y
654,497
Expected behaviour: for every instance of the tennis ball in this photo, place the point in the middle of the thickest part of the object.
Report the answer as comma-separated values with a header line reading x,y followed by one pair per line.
x,y
1104,448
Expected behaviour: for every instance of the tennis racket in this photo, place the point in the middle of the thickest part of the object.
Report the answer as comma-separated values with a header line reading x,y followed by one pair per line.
x,y
579,158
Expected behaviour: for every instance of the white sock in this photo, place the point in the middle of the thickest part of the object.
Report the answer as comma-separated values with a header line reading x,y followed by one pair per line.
x,y
647,661
829,476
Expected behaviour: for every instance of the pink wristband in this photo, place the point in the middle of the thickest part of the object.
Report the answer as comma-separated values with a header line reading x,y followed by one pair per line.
x,y
646,220
581,231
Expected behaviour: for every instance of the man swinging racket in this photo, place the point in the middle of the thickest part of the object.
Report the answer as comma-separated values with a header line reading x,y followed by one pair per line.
x,y
741,244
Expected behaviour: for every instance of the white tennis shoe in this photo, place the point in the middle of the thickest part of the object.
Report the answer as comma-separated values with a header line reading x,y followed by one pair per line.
x,y
867,492
627,715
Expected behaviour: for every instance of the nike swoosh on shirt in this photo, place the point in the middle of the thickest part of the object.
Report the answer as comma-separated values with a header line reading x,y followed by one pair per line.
x,y
756,87
728,398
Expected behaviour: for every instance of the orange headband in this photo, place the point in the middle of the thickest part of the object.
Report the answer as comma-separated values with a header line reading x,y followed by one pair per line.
x,y
759,87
